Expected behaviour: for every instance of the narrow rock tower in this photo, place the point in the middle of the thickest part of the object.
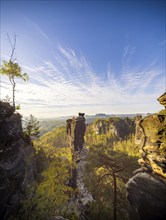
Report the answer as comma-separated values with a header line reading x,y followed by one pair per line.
x,y
75,130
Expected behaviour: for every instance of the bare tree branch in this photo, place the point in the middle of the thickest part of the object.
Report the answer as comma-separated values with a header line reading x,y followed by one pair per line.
x,y
106,174
124,179
13,45
119,170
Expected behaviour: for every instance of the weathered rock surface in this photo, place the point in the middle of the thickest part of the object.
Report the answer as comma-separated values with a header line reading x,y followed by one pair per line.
x,y
116,127
76,131
146,190
84,197
152,139
17,169
6,110
147,197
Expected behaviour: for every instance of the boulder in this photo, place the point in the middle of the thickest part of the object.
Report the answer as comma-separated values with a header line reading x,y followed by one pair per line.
x,y
146,194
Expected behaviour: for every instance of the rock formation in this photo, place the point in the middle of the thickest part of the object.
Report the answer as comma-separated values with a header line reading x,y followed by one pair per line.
x,y
116,126
76,130
146,190
17,169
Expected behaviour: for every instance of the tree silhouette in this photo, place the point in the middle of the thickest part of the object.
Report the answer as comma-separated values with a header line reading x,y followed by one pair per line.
x,y
12,69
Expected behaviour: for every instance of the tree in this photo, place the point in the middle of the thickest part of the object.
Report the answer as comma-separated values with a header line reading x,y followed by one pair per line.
x,y
32,127
49,195
113,164
7,99
107,172
12,69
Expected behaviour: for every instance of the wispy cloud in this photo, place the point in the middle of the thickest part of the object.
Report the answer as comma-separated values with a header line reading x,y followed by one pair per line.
x,y
126,58
36,27
68,84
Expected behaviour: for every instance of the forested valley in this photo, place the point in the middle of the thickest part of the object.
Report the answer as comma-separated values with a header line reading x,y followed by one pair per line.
x,y
80,170
111,158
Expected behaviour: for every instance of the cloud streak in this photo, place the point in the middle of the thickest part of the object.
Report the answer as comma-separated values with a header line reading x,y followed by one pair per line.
x,y
68,84
36,27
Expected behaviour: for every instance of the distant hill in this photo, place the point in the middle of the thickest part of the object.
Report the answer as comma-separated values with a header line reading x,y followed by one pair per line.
x,y
50,124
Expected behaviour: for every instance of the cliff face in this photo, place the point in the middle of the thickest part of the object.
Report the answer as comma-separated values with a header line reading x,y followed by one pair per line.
x,y
146,190
151,136
17,169
114,126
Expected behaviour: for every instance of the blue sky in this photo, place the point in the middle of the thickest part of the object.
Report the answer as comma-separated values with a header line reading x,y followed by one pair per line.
x,y
88,56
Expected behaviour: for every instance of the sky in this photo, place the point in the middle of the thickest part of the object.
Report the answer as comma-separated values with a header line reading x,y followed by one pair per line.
x,y
86,56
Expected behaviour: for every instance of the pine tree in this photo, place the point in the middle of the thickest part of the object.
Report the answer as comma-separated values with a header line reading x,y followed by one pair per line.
x,y
32,127
107,172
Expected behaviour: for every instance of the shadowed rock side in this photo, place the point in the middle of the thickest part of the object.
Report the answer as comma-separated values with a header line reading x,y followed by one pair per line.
x,y
146,190
17,169
162,99
76,130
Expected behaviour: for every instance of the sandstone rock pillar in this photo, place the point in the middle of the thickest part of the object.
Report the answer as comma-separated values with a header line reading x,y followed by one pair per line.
x,y
75,130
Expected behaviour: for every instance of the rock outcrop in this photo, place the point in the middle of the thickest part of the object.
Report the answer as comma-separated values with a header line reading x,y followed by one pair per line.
x,y
76,130
151,135
162,99
117,127
17,168
146,190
